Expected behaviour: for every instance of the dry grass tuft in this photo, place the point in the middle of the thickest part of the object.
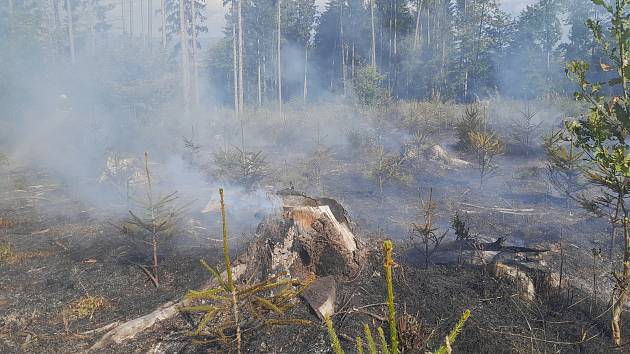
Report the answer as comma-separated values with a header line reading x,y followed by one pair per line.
x,y
6,223
85,307
5,251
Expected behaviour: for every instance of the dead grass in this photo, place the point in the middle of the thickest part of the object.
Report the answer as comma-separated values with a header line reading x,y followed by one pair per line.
x,y
9,256
85,307
6,223
5,251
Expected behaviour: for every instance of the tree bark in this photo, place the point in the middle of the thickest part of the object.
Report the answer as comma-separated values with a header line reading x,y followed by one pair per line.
x,y
416,36
70,31
195,74
373,34
142,36
130,19
122,17
234,61
258,64
241,86
183,38
11,16
279,40
150,23
621,288
163,25
305,88
343,48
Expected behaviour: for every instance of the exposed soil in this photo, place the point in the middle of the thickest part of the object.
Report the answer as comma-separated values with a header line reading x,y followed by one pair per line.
x,y
61,251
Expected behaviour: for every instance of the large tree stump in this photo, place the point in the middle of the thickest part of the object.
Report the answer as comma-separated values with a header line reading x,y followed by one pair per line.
x,y
311,236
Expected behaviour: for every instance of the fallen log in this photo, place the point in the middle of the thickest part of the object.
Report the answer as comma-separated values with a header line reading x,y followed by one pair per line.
x,y
128,330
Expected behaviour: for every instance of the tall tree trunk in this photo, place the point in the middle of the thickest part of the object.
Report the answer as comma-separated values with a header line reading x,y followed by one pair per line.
x,y
343,49
142,37
11,16
70,31
150,23
195,74
241,86
279,40
234,60
259,81
416,36
395,27
163,11
305,88
373,34
353,63
183,38
620,293
428,27
130,19
122,17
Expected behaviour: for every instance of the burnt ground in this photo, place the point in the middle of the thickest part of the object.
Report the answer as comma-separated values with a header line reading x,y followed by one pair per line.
x,y
62,250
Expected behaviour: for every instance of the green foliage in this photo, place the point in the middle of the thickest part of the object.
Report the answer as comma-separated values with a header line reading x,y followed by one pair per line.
x,y
160,218
452,337
485,146
388,248
426,234
221,307
462,232
333,336
602,133
6,251
524,128
243,167
385,167
472,121
368,87
564,162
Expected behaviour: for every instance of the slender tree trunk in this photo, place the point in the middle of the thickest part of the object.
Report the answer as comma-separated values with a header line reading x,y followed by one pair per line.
x,y
305,88
122,17
258,70
155,260
142,36
620,293
241,86
235,60
183,38
353,63
11,16
428,27
416,36
343,48
373,34
395,27
280,57
70,31
150,23
195,74
131,19
163,25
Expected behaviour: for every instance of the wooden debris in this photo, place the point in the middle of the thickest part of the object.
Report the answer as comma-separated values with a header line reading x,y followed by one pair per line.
x,y
321,296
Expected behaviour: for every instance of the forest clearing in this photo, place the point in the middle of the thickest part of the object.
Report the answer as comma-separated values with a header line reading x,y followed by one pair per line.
x,y
301,176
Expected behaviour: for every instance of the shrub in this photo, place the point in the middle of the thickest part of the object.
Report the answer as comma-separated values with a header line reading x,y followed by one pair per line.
x,y
472,121
242,167
368,86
